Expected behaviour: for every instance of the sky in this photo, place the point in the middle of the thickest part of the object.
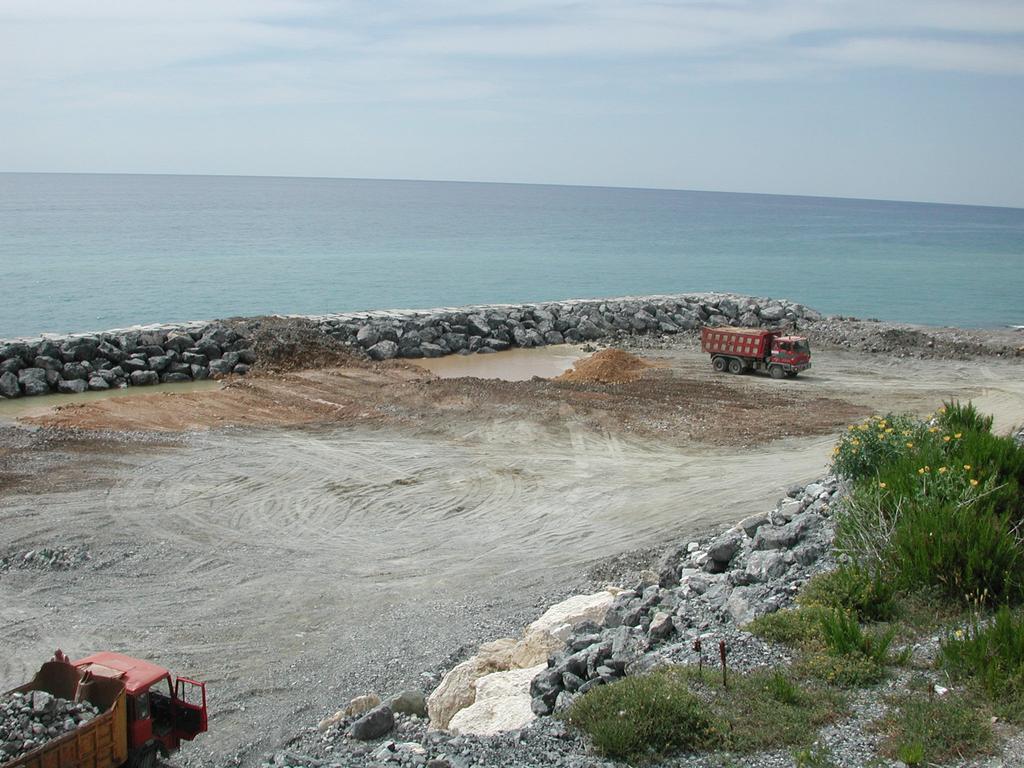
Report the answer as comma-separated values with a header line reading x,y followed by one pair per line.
x,y
893,99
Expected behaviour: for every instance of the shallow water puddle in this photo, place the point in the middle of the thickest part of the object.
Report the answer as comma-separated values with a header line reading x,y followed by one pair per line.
x,y
33,406
510,365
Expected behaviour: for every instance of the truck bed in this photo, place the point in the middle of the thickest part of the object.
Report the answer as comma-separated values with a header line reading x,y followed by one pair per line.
x,y
100,743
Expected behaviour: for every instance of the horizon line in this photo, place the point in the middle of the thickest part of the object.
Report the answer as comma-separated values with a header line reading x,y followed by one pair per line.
x,y
509,183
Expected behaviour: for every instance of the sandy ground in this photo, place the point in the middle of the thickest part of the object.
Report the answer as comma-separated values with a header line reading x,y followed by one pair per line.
x,y
301,539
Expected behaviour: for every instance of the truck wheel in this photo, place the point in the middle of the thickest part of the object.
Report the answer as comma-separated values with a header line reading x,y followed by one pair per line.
x,y
719,364
791,374
144,758
777,372
735,366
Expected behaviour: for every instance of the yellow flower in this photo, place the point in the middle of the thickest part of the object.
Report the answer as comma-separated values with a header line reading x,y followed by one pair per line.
x,y
906,433
881,485
958,435
959,634
942,470
920,471
967,467
910,445
889,431
945,438
933,429
863,427
973,482
881,436
855,441
852,427
942,409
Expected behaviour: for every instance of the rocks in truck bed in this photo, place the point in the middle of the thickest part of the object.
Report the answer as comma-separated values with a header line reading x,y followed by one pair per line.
x,y
29,720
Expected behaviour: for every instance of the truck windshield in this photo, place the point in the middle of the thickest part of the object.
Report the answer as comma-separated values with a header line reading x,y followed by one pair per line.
x,y
802,346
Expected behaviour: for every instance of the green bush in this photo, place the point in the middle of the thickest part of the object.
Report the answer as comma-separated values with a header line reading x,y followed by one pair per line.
x,y
954,417
795,627
852,588
676,709
928,730
874,443
642,717
844,636
965,553
935,504
740,711
845,671
992,656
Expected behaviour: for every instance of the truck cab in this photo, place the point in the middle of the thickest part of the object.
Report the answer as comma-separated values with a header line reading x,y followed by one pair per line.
x,y
162,712
793,353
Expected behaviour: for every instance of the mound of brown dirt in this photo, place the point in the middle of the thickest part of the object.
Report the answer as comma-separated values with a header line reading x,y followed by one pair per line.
x,y
609,366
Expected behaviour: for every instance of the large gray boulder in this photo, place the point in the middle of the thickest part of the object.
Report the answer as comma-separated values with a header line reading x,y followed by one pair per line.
x,y
72,386
115,354
144,378
383,350
9,385
48,363
725,547
33,381
367,337
13,365
374,724
159,363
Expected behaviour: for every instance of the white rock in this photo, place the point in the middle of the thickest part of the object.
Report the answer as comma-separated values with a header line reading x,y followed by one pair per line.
x,y
534,649
456,690
502,703
559,619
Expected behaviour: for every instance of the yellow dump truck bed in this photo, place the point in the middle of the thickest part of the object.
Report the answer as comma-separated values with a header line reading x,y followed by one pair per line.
x,y
99,743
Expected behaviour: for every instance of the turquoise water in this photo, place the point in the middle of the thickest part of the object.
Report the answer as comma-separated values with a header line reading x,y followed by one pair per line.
x,y
90,252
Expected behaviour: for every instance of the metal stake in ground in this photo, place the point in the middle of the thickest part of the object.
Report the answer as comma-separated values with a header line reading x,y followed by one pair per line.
x,y
700,655
722,651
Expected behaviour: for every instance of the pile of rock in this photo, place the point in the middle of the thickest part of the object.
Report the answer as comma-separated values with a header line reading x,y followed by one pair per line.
x,y
703,591
493,328
135,358
45,558
29,720
490,709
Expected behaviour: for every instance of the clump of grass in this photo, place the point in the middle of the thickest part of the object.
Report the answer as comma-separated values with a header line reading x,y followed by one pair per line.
x,y
817,756
796,712
642,717
852,588
991,655
835,648
795,627
680,709
844,636
926,730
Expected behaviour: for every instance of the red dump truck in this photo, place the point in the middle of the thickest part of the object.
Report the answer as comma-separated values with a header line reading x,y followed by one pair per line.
x,y
142,713
739,350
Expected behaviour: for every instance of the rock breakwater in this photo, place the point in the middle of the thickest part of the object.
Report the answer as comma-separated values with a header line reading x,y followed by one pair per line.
x,y
170,354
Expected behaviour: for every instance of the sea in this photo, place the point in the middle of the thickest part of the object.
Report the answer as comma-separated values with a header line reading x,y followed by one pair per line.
x,y
87,252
